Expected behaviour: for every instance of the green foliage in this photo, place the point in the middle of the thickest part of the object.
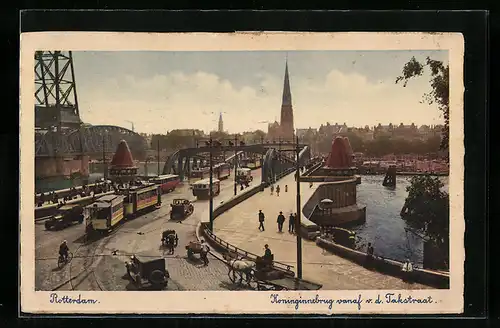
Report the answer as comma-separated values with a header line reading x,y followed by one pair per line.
x,y
440,84
427,208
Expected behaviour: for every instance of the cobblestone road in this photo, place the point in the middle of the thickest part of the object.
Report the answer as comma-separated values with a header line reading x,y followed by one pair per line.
x,y
97,268
239,226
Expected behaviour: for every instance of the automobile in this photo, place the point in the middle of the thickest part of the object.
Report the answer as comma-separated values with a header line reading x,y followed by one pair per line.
x,y
65,216
181,209
147,271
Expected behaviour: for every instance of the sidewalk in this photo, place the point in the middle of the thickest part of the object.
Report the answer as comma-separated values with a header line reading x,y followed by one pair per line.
x,y
239,226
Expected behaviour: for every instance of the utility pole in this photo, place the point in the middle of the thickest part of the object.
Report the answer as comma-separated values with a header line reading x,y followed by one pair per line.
x,y
211,202
297,219
158,147
104,169
235,163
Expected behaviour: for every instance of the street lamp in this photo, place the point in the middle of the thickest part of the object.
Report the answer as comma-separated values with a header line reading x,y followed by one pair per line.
x,y
104,166
211,202
235,163
297,219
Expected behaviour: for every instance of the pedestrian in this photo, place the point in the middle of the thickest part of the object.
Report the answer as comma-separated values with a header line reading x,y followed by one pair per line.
x,y
291,223
280,220
272,189
204,252
407,271
286,188
369,255
261,220
278,190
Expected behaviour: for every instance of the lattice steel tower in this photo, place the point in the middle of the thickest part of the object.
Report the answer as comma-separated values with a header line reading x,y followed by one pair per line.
x,y
56,102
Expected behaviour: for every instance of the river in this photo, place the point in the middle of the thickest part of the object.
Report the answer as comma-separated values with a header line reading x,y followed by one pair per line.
x,y
384,227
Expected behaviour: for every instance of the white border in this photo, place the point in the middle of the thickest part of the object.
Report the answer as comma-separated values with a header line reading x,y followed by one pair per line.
x,y
445,301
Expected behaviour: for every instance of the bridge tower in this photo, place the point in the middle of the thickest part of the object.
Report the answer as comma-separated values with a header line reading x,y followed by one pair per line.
x,y
57,114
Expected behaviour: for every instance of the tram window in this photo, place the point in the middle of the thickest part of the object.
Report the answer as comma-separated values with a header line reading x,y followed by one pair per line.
x,y
102,214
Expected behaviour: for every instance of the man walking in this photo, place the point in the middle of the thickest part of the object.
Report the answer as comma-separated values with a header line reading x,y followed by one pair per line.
x,y
261,220
291,223
278,190
281,220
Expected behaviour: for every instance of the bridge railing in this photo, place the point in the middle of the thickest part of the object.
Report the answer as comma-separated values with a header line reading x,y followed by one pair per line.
x,y
243,253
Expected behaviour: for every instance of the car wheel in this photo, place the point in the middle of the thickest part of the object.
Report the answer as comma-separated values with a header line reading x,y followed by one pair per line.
x,y
157,278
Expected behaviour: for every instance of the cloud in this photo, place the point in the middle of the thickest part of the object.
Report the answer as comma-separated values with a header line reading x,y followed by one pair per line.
x,y
160,103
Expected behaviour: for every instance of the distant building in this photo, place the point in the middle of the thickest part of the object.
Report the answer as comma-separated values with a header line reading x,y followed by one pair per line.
x,y
188,132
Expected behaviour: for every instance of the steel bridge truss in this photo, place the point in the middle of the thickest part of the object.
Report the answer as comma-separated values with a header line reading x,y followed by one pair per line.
x,y
274,160
93,140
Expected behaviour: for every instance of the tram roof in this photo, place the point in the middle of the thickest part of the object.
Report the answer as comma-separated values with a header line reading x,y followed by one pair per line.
x,y
205,181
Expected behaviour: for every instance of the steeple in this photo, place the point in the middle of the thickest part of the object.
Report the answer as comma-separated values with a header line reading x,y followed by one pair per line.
x,y
287,95
221,123
286,124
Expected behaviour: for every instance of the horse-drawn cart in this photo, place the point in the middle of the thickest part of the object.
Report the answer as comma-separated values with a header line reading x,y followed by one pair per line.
x,y
196,247
261,274
170,239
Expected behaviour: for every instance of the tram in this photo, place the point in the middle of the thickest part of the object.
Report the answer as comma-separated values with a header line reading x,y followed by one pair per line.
x,y
201,188
167,182
108,211
200,173
222,171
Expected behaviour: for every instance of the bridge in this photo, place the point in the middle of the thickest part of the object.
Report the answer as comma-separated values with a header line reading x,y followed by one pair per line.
x,y
276,157
59,130
91,140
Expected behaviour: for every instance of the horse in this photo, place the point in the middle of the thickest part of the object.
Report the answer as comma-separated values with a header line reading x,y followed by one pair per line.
x,y
240,267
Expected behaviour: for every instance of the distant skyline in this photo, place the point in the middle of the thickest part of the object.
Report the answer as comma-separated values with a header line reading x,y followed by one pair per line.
x,y
162,91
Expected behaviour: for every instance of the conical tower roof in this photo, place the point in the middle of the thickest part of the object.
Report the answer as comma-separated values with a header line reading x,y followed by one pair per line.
x,y
339,154
123,156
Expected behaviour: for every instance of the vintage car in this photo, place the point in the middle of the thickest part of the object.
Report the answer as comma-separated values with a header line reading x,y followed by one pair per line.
x,y
65,216
181,209
244,175
144,271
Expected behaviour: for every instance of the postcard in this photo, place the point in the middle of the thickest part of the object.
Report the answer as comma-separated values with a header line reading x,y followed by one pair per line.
x,y
242,173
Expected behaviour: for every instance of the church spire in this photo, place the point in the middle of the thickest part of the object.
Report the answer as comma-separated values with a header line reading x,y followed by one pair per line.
x,y
287,96
221,124
286,124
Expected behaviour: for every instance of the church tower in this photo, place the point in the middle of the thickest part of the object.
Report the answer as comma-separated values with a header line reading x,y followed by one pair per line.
x,y
221,124
286,124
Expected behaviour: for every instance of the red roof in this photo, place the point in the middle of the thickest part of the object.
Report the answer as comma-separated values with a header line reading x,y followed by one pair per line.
x,y
340,154
123,156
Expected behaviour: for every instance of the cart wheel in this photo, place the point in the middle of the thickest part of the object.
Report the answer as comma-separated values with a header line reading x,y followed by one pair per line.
x,y
189,253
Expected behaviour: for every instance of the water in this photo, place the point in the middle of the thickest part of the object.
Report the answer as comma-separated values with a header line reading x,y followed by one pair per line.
x,y
384,227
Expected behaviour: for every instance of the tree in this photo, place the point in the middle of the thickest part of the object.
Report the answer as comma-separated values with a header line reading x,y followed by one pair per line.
x,y
440,84
427,209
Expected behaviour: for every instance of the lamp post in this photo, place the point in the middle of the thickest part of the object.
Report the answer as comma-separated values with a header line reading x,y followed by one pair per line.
x,y
211,202
235,163
297,219
158,146
104,168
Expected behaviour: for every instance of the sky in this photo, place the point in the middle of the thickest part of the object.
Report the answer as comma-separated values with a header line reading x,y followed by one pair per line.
x,y
162,91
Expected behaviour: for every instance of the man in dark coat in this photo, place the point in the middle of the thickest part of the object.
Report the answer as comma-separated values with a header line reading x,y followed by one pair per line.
x,y
281,220
291,223
261,220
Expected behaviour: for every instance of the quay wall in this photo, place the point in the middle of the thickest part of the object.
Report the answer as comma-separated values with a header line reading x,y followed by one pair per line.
x,y
428,277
